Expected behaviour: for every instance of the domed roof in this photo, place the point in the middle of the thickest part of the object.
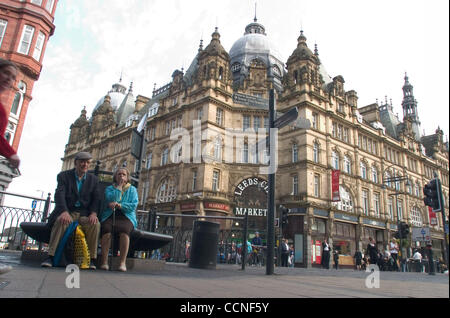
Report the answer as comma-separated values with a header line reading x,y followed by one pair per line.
x,y
254,41
117,94
255,45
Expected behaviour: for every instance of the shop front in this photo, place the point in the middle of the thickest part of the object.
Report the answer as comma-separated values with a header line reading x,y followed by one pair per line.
x,y
376,230
344,238
318,235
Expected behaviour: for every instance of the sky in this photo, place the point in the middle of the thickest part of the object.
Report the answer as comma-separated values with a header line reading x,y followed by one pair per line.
x,y
370,43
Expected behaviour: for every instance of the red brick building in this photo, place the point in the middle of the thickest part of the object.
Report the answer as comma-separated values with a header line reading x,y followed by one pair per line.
x,y
25,27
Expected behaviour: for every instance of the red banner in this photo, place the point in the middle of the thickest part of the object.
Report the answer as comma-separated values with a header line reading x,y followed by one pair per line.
x,y
335,196
433,217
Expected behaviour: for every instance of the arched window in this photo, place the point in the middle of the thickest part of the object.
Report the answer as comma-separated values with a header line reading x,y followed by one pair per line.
x,y
363,168
245,153
167,191
218,148
374,174
346,203
416,217
18,98
221,73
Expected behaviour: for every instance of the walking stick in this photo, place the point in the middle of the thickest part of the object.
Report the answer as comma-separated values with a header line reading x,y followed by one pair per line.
x,y
112,238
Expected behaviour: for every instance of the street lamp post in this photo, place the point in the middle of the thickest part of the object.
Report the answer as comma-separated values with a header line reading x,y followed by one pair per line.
x,y
397,192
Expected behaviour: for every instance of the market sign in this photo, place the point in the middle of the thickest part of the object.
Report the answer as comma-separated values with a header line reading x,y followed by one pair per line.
x,y
251,197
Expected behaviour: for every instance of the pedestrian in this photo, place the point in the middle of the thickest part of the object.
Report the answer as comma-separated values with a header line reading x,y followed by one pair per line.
x,y
358,259
76,199
418,260
284,253
291,255
325,254
336,259
393,249
122,199
8,74
256,246
372,250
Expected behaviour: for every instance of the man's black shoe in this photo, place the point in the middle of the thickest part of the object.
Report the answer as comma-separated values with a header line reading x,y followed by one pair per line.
x,y
92,264
48,262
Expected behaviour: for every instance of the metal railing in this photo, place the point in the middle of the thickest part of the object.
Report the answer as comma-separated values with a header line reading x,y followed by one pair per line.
x,y
11,235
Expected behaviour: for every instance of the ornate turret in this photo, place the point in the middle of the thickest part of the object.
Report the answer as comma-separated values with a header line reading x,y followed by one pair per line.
x,y
409,105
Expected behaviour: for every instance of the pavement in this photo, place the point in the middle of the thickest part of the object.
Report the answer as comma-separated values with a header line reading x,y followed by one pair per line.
x,y
179,281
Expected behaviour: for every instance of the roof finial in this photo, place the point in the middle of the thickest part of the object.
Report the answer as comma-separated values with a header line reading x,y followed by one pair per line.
x,y
121,75
130,90
255,19
316,51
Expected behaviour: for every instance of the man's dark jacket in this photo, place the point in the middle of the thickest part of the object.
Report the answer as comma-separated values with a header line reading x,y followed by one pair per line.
x,y
66,195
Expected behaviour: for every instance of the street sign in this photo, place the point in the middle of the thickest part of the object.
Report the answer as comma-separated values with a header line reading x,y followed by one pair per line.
x,y
286,118
421,234
33,204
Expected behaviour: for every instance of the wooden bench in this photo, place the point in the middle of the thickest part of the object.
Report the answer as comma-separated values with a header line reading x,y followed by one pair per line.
x,y
139,240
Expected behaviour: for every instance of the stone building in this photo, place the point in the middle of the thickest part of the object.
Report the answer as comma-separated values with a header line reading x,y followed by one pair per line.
x,y
206,148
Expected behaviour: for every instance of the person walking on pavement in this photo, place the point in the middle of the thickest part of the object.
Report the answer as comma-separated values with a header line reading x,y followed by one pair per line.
x,y
8,74
284,253
121,199
256,246
393,248
76,199
325,254
358,258
372,250
336,259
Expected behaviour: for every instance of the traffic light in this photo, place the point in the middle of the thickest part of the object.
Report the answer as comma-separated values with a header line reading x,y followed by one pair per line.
x,y
432,192
404,230
284,214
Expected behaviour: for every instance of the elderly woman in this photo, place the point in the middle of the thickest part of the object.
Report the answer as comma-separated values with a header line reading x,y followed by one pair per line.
x,y
121,199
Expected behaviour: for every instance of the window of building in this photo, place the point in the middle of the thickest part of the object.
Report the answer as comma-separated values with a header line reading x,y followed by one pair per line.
x,y
315,121
400,209
245,153
25,41
346,134
38,48
365,201
294,153
246,122
317,185
200,113
167,191
376,204
218,148
219,116
363,169
18,99
256,123
346,203
49,5
391,208
416,217
37,2
165,157
148,164
3,24
335,160
194,180
347,165
316,149
374,174
215,180
295,185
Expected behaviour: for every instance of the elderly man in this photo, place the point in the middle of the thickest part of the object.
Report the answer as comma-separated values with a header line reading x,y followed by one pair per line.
x,y
76,199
